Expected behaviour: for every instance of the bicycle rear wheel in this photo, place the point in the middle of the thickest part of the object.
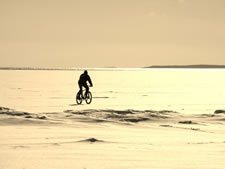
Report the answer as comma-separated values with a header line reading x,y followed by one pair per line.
x,y
88,98
79,98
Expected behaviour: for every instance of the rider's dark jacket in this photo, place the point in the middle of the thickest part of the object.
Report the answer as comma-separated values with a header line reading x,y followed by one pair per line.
x,y
84,78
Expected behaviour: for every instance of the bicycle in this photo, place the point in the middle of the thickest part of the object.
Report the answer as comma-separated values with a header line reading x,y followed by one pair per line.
x,y
81,96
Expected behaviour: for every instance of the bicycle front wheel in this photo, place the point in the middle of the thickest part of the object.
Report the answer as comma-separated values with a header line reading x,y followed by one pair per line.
x,y
88,98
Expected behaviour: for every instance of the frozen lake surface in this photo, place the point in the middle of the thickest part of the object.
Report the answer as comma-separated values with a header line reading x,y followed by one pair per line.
x,y
126,126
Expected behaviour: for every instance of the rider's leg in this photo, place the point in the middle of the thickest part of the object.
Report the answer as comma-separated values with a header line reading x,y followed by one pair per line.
x,y
80,86
87,89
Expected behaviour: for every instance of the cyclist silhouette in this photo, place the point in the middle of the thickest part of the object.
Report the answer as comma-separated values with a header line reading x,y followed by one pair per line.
x,y
83,82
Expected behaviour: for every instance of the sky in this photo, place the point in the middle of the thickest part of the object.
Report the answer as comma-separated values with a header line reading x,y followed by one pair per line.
x,y
111,33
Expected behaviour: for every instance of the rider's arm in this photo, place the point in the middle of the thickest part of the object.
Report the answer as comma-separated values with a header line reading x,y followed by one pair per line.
x,y
89,80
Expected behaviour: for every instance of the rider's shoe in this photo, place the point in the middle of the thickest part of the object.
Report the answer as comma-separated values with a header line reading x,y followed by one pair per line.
x,y
80,97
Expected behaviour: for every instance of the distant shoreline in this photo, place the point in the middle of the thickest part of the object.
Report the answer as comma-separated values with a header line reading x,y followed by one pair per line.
x,y
116,68
189,66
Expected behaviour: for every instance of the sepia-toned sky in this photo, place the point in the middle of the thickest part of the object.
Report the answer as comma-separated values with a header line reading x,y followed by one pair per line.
x,y
105,33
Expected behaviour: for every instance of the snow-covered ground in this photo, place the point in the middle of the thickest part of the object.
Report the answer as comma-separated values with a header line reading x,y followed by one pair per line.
x,y
138,119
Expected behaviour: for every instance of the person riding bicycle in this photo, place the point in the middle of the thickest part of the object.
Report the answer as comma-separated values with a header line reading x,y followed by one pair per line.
x,y
84,77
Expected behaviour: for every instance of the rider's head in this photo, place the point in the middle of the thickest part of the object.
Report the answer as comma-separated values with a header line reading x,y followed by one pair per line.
x,y
85,72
